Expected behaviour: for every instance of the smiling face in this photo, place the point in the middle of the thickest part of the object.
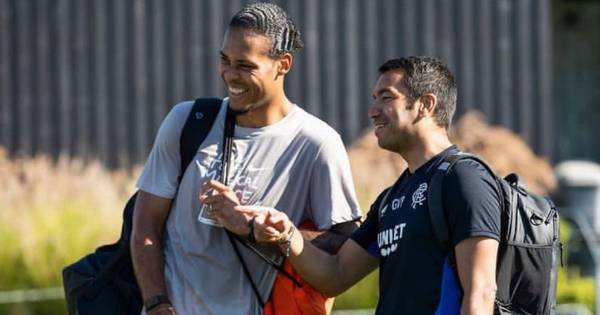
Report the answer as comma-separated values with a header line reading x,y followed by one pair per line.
x,y
251,76
393,113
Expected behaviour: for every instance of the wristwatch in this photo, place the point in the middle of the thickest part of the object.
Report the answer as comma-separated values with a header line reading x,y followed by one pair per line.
x,y
155,301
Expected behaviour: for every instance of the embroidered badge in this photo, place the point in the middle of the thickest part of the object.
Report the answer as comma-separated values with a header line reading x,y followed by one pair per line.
x,y
418,196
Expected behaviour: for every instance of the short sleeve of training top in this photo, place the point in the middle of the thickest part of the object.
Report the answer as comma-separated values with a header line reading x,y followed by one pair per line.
x,y
366,234
332,198
472,202
162,168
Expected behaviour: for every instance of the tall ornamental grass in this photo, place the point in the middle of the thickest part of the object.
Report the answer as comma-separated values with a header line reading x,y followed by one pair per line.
x,y
52,213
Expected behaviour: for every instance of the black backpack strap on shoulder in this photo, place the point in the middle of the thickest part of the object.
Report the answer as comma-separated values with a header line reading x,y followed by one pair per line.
x,y
197,126
435,196
436,205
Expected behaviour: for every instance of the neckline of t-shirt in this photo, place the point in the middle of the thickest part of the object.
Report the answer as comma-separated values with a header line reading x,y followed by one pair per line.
x,y
278,127
433,161
407,177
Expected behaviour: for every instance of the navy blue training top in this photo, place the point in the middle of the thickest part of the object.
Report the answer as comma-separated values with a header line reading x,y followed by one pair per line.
x,y
414,274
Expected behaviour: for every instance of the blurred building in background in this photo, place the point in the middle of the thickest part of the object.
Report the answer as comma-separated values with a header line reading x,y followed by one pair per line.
x,y
95,78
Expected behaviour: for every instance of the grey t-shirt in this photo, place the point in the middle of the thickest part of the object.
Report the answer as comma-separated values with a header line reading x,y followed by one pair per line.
x,y
298,165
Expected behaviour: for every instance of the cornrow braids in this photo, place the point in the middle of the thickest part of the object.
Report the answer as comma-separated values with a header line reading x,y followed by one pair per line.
x,y
270,20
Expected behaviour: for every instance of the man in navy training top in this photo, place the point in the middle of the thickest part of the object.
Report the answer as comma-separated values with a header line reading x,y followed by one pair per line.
x,y
413,103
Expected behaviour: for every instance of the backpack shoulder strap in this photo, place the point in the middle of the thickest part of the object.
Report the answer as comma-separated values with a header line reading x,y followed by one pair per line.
x,y
197,126
435,203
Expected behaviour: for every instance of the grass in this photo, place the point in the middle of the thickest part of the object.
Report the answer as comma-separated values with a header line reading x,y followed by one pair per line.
x,y
51,214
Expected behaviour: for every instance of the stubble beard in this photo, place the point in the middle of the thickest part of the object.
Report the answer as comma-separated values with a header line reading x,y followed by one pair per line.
x,y
247,108
395,143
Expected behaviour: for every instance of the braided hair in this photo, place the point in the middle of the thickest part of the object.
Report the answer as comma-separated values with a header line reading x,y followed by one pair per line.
x,y
270,20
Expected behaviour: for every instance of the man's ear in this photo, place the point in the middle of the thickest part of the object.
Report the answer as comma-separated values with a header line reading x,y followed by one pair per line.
x,y
285,64
427,104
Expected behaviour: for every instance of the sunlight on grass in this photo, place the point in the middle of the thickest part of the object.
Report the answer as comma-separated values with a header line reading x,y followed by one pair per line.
x,y
52,213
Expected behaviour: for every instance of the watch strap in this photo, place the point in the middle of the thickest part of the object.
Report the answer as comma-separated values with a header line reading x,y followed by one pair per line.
x,y
155,301
250,237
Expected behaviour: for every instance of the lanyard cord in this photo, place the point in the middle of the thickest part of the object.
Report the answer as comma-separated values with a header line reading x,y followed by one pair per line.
x,y
227,147
227,152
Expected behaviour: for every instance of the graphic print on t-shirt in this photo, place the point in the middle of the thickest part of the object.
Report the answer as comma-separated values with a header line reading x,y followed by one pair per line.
x,y
395,205
244,183
393,226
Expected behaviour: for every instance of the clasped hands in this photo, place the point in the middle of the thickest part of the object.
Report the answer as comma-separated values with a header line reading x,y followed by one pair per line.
x,y
270,225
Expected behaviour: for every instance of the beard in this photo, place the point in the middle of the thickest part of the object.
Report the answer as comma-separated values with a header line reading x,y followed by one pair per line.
x,y
396,141
247,108
238,112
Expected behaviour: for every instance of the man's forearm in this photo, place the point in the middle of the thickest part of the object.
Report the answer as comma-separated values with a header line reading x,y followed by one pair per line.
x,y
479,301
148,263
330,274
331,240
316,266
476,263
149,216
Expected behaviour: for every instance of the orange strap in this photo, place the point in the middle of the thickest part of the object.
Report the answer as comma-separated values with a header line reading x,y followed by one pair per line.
x,y
289,299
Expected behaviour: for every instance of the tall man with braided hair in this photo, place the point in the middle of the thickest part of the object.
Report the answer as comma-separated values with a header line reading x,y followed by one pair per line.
x,y
281,157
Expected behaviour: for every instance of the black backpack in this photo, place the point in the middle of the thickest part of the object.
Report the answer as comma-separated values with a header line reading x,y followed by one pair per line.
x,y
103,282
529,248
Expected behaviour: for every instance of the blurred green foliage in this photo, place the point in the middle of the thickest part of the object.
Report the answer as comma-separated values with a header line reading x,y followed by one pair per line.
x,y
362,295
572,287
51,214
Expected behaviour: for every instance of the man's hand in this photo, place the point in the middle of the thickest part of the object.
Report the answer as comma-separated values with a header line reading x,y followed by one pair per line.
x,y
270,225
330,274
221,200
